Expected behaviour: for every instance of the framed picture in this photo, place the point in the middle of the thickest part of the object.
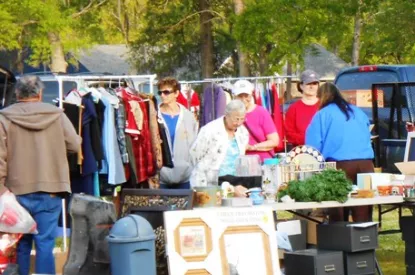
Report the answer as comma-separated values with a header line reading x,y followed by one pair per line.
x,y
222,241
410,147
193,240
151,204
197,272
236,246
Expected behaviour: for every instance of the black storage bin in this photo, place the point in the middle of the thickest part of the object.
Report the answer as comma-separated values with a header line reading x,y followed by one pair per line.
x,y
341,236
407,225
410,254
410,270
314,262
359,263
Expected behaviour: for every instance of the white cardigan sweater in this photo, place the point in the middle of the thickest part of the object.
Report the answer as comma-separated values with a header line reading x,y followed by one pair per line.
x,y
209,149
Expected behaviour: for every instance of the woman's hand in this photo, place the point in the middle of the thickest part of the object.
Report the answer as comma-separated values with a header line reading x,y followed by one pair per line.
x,y
410,127
250,147
240,191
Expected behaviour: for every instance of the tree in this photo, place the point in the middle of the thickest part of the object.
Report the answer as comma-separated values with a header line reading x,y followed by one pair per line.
x,y
279,30
183,38
52,28
242,56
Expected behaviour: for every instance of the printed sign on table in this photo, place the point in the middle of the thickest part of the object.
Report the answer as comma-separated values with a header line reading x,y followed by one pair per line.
x,y
222,241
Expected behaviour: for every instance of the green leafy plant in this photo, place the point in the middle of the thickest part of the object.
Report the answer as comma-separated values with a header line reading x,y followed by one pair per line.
x,y
329,185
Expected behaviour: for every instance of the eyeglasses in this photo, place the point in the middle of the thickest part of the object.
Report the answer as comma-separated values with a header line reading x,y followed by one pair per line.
x,y
165,92
237,119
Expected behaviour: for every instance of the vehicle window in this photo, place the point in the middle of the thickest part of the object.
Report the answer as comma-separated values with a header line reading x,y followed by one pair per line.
x,y
51,90
364,81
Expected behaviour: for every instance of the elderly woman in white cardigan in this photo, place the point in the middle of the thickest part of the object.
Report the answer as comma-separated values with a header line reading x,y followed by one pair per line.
x,y
219,144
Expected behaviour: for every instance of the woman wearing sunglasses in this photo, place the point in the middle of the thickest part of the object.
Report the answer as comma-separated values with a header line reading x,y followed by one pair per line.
x,y
181,128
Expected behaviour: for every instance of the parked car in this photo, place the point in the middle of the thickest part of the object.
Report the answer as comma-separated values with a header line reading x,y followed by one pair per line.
x,y
392,132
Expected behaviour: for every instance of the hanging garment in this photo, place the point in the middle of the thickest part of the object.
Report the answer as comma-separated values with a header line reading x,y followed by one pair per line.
x,y
141,143
214,104
120,127
189,99
73,113
257,97
278,118
155,134
112,165
166,154
89,163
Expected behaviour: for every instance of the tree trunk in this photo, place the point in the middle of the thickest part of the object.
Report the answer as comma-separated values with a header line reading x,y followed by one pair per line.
x,y
263,64
206,39
288,95
243,57
356,35
19,61
58,62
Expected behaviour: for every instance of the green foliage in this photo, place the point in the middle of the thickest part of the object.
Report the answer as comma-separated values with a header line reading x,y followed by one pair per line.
x,y
26,24
329,185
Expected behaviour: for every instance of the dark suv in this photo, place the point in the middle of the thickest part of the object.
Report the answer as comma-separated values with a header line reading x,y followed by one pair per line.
x,y
391,79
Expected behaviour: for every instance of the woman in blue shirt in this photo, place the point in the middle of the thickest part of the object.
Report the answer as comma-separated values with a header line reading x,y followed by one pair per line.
x,y
340,131
181,130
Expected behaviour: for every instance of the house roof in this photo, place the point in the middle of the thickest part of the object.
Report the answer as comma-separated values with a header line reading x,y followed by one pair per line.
x,y
107,58
323,62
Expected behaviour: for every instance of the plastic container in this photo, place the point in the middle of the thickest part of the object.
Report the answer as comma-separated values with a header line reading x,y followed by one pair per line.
x,y
132,247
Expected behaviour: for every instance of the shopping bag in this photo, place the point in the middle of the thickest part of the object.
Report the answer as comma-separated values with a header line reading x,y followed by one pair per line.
x,y
8,246
13,217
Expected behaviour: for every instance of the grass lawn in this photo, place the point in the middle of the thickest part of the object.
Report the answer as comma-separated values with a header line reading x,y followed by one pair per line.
x,y
391,251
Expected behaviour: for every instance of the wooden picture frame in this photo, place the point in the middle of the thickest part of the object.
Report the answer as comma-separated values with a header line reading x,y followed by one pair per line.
x,y
197,272
198,236
219,235
242,231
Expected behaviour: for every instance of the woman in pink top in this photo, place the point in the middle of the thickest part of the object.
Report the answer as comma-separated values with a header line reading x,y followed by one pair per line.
x,y
263,136
300,113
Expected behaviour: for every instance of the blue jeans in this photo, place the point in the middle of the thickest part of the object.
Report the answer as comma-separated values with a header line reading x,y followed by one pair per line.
x,y
45,210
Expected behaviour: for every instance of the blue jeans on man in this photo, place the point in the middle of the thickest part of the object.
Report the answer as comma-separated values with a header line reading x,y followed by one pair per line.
x,y
45,209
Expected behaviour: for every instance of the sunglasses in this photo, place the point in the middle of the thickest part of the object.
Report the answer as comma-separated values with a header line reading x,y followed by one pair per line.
x,y
165,92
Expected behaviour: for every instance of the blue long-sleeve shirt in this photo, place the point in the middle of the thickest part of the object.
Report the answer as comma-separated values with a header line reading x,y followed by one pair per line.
x,y
338,138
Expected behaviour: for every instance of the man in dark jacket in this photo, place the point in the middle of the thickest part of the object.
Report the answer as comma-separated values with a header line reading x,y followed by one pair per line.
x,y
34,140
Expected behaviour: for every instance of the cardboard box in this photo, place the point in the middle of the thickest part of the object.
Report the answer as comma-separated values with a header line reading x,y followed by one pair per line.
x,y
362,98
370,181
406,168
60,260
312,228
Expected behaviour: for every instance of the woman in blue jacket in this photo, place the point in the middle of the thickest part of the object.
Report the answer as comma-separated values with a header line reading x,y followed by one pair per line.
x,y
340,131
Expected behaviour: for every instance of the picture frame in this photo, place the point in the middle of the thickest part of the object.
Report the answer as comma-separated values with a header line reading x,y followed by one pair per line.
x,y
410,147
220,236
241,239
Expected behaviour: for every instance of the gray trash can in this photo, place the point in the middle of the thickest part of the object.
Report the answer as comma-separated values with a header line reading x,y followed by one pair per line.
x,y
132,247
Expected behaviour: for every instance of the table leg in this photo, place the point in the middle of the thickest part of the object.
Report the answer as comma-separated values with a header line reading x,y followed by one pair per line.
x,y
378,269
380,215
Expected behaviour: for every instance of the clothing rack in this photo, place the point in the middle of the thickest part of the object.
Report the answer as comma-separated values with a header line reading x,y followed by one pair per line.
x,y
60,79
249,78
279,78
194,81
151,78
